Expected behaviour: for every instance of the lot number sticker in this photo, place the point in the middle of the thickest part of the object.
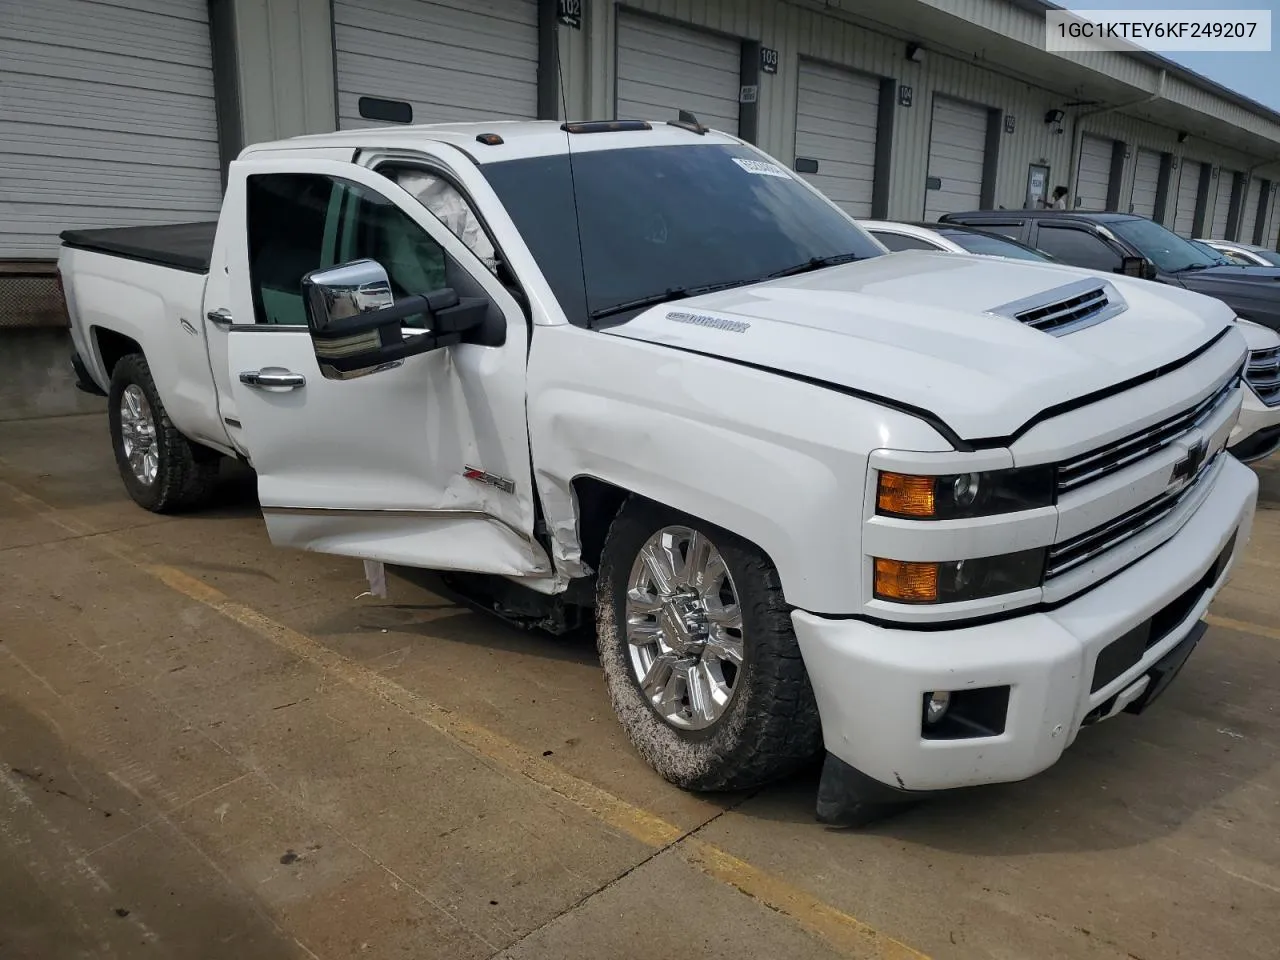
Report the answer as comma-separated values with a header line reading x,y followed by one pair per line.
x,y
762,168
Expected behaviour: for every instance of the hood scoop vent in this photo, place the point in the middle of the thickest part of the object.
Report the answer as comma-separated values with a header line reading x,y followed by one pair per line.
x,y
1066,309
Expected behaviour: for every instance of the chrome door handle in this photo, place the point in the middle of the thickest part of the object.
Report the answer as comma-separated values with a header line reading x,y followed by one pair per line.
x,y
220,317
269,377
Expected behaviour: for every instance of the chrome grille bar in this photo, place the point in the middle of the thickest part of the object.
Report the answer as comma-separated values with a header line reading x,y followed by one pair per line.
x,y
1080,549
1099,463
1263,375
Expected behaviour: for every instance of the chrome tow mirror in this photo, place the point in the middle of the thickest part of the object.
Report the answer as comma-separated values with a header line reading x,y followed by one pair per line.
x,y
337,294
356,323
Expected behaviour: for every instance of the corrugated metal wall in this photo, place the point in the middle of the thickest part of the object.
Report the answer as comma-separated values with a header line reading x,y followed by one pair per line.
x,y
107,118
795,31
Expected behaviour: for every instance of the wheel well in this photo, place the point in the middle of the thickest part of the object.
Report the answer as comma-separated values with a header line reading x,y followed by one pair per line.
x,y
113,347
598,503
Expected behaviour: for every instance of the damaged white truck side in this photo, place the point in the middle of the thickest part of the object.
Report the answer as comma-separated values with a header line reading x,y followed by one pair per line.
x,y
933,514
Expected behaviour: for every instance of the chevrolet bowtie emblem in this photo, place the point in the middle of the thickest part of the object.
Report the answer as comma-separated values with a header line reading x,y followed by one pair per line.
x,y
1189,466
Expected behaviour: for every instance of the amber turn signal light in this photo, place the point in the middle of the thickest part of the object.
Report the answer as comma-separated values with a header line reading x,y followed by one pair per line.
x,y
905,495
906,581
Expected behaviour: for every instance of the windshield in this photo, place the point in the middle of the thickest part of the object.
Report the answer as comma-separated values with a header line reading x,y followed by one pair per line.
x,y
663,222
1168,251
1212,253
992,246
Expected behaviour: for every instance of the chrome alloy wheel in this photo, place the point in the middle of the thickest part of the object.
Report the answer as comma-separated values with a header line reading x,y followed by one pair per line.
x,y
138,434
684,628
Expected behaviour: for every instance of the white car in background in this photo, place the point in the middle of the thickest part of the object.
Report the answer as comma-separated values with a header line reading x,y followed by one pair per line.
x,y
1244,254
1257,434
949,237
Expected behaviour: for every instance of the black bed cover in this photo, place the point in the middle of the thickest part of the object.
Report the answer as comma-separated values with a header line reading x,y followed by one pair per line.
x,y
183,246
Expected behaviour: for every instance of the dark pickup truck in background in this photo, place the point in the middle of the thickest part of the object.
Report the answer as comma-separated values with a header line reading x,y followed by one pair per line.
x,y
1124,243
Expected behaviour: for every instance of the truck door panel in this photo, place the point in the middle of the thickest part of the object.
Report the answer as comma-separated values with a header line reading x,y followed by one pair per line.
x,y
426,463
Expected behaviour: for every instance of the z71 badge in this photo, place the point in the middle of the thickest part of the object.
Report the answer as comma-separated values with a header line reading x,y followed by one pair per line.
x,y
492,479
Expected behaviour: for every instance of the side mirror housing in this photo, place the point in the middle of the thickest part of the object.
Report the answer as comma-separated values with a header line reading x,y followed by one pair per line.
x,y
357,325
1139,267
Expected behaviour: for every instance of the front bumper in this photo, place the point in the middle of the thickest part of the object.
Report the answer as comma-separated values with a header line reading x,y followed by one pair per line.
x,y
870,680
1256,434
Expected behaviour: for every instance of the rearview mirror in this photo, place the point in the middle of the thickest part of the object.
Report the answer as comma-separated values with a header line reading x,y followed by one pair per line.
x,y
356,323
1139,267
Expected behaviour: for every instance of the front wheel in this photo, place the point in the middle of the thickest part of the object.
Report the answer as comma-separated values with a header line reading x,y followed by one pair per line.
x,y
162,470
699,654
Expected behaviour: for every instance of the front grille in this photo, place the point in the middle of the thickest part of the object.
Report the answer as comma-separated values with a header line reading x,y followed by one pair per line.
x,y
1080,549
1099,463
1263,375
1052,316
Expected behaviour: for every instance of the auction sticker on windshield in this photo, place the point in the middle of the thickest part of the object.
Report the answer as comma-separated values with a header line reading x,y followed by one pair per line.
x,y
762,168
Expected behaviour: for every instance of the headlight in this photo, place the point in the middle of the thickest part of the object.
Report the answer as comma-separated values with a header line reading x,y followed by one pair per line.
x,y
959,495
951,581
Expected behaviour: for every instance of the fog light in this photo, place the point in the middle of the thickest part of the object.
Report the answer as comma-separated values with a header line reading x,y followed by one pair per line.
x,y
935,705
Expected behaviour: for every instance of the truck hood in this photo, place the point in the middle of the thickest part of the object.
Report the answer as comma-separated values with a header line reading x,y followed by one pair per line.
x,y
919,330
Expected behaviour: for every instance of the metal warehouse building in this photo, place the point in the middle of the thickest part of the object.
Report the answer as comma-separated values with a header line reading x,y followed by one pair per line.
x,y
127,111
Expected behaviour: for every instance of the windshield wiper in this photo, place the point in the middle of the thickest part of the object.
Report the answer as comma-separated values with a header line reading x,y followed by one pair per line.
x,y
671,293
681,293
813,263
1194,266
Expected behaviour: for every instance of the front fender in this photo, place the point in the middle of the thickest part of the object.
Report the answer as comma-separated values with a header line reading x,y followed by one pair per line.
x,y
777,461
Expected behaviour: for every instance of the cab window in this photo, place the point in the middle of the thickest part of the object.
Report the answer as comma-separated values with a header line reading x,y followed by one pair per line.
x,y
300,222
1077,247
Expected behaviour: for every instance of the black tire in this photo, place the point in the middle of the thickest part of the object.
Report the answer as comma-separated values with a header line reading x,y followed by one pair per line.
x,y
186,473
770,726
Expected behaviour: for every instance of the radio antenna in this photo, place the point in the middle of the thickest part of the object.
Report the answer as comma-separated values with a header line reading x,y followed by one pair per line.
x,y
573,186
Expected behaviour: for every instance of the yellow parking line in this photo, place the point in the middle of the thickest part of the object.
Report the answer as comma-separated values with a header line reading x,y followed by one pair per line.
x,y
1243,626
839,929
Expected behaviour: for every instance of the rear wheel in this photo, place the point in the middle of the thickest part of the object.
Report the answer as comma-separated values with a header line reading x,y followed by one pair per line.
x,y
162,470
699,655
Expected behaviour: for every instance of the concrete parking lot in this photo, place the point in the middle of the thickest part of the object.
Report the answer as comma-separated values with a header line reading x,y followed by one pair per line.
x,y
212,748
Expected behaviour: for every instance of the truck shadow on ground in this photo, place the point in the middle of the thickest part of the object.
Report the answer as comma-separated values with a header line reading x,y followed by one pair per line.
x,y
236,495
443,621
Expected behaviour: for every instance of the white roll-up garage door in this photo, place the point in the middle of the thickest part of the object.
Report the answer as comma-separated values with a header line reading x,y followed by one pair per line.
x,y
664,68
1094,178
1271,237
836,115
957,148
1222,204
1249,214
106,118
451,59
1188,193
1146,178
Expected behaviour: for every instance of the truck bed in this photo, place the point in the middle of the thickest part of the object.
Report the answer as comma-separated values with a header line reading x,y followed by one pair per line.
x,y
183,246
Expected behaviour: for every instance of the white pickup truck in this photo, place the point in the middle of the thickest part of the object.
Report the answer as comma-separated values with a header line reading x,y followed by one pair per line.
x,y
932,513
